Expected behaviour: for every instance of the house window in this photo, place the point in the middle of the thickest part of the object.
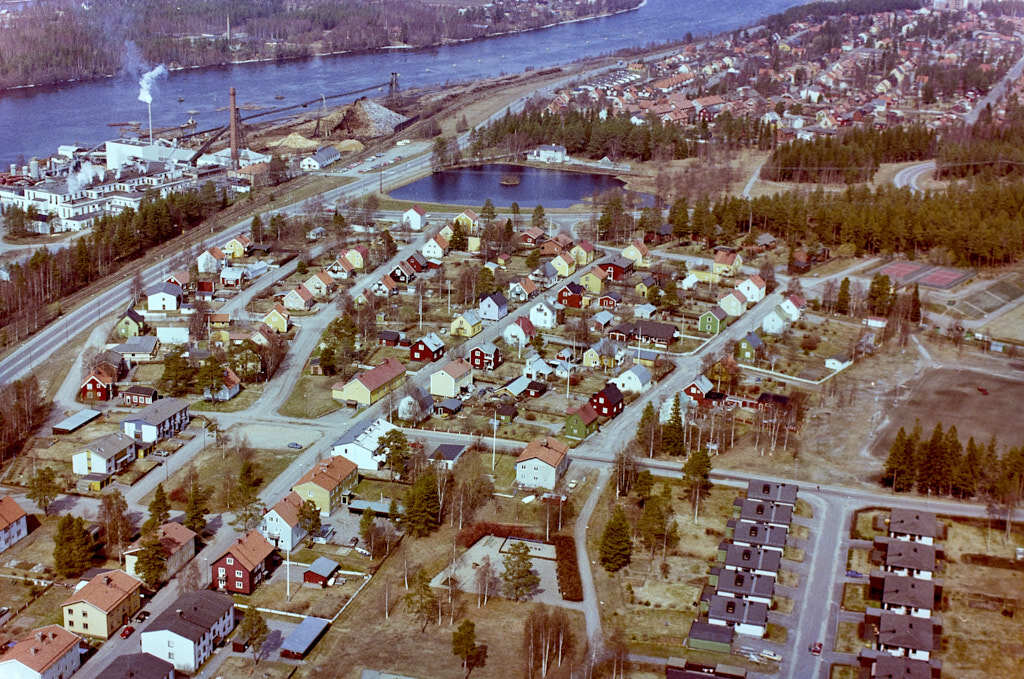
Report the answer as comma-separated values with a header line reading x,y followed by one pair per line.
x,y
85,625
230,561
238,574
221,572
238,584
71,611
170,655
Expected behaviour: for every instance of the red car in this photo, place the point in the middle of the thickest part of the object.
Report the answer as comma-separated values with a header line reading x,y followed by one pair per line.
x,y
983,391
127,632
815,648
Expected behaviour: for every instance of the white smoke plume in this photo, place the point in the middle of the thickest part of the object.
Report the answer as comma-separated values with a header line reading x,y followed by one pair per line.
x,y
85,176
147,81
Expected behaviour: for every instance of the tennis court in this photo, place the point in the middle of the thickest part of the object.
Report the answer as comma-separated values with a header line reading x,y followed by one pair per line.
x,y
939,277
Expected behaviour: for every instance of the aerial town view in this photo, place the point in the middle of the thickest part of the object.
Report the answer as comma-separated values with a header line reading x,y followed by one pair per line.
x,y
541,339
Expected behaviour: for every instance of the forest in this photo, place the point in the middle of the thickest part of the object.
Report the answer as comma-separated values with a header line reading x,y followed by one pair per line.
x,y
986,149
851,156
104,37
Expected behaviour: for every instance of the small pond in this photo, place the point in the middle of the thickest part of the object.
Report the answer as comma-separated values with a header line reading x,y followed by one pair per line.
x,y
475,184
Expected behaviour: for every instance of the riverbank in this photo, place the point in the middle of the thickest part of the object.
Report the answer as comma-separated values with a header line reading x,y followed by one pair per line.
x,y
320,55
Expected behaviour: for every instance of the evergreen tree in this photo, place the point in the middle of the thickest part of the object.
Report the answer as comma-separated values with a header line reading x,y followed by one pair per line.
x,y
953,458
672,431
539,219
390,248
931,463
159,508
422,506
647,431
464,643
151,558
396,446
487,212
697,476
73,547
394,515
616,542
533,259
210,377
843,298
900,467
518,580
458,241
644,485
368,530
915,306
969,471
195,506
679,217
420,598
652,525
485,284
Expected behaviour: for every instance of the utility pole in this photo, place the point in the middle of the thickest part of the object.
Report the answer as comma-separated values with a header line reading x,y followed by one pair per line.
x,y
494,440
288,574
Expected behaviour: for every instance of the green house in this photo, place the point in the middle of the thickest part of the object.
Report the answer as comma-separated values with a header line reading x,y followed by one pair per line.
x,y
130,324
580,422
712,321
506,413
747,348
707,637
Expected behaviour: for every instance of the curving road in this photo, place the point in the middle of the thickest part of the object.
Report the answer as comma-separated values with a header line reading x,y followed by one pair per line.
x,y
908,177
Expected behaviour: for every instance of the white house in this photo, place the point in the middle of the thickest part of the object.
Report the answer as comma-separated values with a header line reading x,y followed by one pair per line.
x,y
106,455
792,306
415,218
536,368
452,380
299,298
188,630
230,385
838,362
157,421
49,652
519,332
210,261
416,406
164,297
361,444
435,248
548,153
753,288
13,522
543,315
323,157
178,544
689,282
172,334
493,307
749,618
773,323
280,526
542,463
635,380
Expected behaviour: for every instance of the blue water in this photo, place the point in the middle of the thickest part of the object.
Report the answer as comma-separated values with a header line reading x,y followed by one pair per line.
x,y
33,122
474,185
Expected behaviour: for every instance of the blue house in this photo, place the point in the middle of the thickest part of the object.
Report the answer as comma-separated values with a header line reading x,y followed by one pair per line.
x,y
494,307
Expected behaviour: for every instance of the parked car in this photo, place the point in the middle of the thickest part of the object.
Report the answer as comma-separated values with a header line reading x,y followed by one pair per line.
x,y
295,446
983,390
854,574
127,631
815,648
142,616
771,655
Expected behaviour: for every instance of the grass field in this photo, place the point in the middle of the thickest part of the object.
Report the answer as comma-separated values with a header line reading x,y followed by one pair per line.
x,y
858,560
975,414
855,597
311,398
320,603
43,611
1008,326
847,638
244,400
239,666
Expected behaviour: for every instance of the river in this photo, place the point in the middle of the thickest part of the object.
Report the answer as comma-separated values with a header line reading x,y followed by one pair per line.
x,y
33,122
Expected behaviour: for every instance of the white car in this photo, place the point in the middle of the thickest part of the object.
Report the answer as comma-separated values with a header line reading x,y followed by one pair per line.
x,y
771,655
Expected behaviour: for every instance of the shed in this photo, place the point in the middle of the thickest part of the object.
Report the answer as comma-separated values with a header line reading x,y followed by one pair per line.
x,y
707,637
79,419
320,571
448,454
378,507
302,639
449,407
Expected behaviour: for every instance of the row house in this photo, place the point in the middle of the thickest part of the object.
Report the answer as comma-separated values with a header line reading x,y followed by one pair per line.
x,y
157,421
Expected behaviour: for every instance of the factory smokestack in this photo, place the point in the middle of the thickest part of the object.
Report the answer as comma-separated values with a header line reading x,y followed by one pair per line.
x,y
234,132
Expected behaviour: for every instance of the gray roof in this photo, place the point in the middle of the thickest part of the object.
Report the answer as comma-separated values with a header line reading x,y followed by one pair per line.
x,y
759,534
169,288
471,316
305,635
517,386
769,490
432,341
134,315
488,347
915,555
137,666
904,591
753,558
323,567
140,344
906,631
75,421
913,522
448,451
157,412
109,446
325,155
704,631
738,610
642,373
766,512
193,614
452,404
354,432
753,340
745,584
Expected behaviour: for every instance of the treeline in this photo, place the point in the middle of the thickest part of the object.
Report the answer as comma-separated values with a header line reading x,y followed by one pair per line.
x,y
942,465
194,32
24,411
48,277
820,10
978,226
948,80
986,149
584,133
852,156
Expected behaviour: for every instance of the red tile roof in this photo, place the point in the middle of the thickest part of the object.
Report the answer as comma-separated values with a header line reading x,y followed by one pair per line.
x,y
549,450
251,550
105,591
42,648
10,511
329,474
384,373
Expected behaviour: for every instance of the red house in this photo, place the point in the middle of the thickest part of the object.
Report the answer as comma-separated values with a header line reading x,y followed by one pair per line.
x,y
244,565
138,395
531,236
485,357
619,268
100,385
698,389
608,402
571,295
205,289
609,300
417,261
427,348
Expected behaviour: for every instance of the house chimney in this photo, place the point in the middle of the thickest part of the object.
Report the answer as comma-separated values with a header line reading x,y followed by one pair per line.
x,y
107,580
180,612
34,651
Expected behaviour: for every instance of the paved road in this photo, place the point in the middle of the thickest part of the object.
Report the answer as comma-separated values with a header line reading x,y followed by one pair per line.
x,y
908,177
997,92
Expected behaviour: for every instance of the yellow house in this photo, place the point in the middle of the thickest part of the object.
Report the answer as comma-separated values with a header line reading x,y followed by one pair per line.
x,y
603,353
357,256
277,319
131,324
594,279
326,483
368,387
564,265
466,324
447,232
103,605
727,263
583,252
473,243
705,276
469,220
638,253
237,246
220,338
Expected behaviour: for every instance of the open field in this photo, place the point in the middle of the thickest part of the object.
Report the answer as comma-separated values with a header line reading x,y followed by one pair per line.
x,y
243,401
241,666
308,600
1008,326
847,638
311,398
855,597
43,611
976,414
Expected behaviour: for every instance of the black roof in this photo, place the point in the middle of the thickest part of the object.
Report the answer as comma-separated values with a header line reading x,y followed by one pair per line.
x,y
134,315
388,334
137,666
448,451
193,614
612,393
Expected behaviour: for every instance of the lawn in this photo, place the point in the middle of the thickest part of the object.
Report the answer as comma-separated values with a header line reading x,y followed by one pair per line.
x,y
804,509
838,671
43,611
243,401
788,578
373,489
859,560
148,373
848,639
793,553
311,398
241,666
308,600
864,524
347,559
855,598
219,465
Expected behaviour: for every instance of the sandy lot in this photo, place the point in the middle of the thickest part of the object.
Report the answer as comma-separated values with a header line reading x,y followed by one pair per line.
x,y
951,397
275,436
